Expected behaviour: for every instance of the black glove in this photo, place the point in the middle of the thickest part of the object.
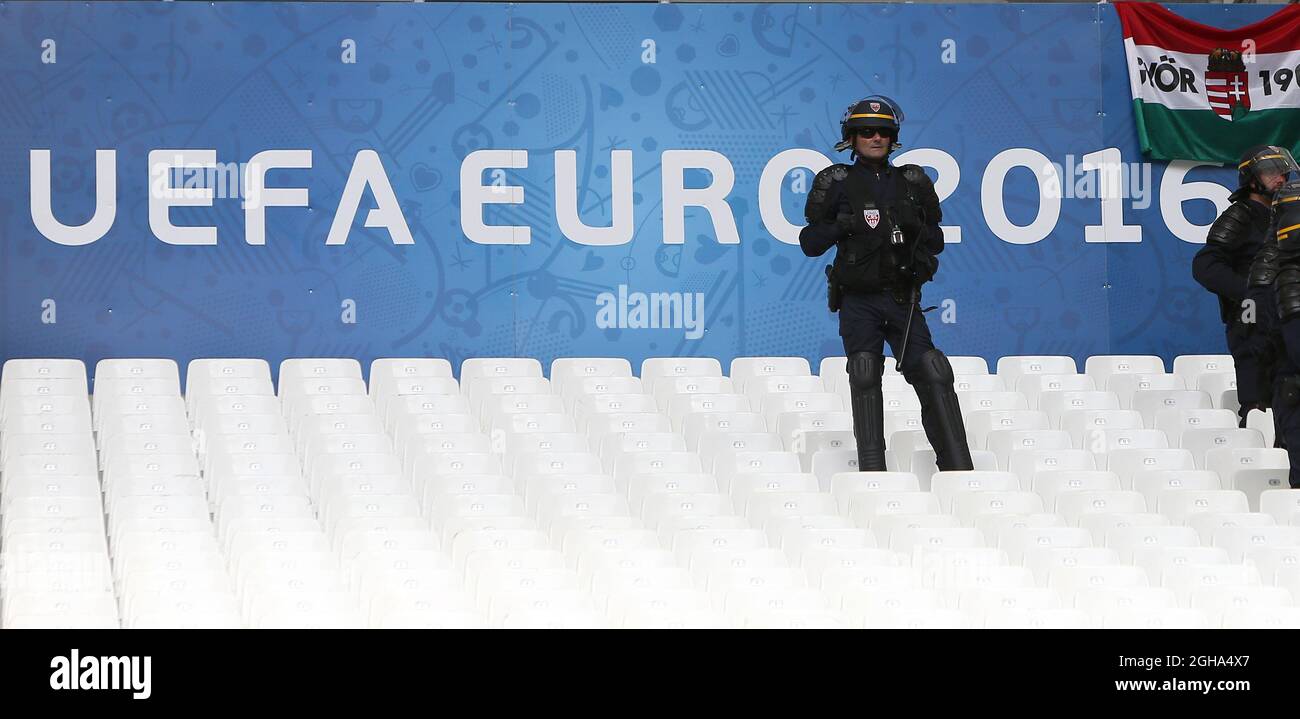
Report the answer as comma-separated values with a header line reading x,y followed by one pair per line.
x,y
909,221
925,267
1255,342
851,223
920,270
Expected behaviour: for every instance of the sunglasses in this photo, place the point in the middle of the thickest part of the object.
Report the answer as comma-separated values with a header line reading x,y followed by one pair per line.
x,y
870,132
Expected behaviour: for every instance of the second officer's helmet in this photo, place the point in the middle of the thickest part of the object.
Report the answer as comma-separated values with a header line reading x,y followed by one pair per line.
x,y
875,111
1262,160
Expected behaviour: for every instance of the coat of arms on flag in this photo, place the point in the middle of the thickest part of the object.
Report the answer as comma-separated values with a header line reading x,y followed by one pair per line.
x,y
1227,86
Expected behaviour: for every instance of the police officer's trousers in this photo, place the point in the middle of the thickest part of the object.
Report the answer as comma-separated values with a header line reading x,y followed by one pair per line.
x,y
867,321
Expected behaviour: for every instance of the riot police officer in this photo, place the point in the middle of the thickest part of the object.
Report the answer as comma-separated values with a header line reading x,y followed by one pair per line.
x,y
1286,285
884,222
1230,246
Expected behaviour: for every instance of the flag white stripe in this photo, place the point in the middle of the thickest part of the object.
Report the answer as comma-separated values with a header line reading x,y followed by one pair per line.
x,y
1197,64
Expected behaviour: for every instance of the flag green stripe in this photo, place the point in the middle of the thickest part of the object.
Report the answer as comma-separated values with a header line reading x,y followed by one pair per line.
x,y
1182,134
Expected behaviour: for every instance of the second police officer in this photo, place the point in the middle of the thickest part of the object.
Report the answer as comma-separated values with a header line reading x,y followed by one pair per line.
x,y
1279,266
1221,266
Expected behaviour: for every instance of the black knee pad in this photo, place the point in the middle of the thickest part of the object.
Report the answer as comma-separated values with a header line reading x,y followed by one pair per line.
x,y
865,369
931,368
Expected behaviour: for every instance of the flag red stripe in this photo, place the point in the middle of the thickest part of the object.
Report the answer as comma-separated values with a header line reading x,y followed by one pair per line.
x,y
1153,24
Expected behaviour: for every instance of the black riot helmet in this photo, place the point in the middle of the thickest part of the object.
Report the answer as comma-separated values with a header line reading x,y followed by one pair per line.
x,y
1286,212
1262,160
875,111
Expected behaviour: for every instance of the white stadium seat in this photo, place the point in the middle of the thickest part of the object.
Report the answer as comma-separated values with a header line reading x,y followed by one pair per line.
x,y
1282,504
1056,403
1032,386
1192,367
745,368
1102,367
1017,366
1126,385
1250,470
1222,388
591,495
980,423
1176,421
1149,402
979,383
1079,422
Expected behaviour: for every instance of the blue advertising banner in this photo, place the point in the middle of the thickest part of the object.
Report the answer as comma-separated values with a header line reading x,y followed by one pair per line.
x,y
379,180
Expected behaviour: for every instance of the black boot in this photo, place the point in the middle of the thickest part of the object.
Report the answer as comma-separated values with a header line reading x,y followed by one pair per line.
x,y
865,369
940,413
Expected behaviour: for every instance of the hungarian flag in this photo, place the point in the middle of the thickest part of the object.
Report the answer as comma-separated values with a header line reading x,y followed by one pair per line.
x,y
1201,93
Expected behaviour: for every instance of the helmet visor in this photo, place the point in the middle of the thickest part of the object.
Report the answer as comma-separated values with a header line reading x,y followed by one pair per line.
x,y
1273,161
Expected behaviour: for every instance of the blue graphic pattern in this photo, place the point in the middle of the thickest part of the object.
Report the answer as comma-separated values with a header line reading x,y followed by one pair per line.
x,y
433,82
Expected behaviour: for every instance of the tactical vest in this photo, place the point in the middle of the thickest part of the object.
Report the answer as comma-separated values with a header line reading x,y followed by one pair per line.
x,y
867,262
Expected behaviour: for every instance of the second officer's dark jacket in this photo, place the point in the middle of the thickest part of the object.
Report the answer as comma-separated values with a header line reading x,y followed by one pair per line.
x,y
1266,339
1230,246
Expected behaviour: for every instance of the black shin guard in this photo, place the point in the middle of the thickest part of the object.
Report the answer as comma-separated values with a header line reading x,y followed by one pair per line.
x,y
868,404
940,413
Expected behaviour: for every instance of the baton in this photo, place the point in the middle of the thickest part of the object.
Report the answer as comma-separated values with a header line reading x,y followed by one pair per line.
x,y
912,292
907,329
